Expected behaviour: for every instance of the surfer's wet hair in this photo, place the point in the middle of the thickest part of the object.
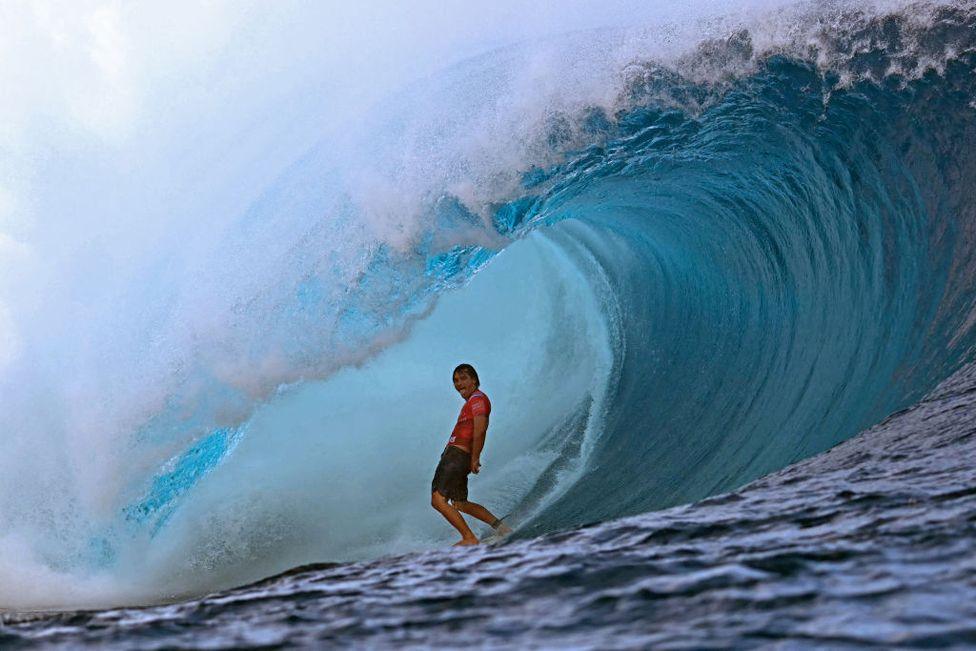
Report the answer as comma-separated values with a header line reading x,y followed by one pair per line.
x,y
468,370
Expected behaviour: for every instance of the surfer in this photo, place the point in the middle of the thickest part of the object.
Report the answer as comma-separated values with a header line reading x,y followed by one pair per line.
x,y
461,456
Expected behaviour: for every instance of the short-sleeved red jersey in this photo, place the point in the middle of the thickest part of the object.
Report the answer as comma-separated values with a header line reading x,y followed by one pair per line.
x,y
477,405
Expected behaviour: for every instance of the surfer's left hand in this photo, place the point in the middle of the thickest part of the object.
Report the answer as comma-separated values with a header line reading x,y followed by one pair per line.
x,y
475,466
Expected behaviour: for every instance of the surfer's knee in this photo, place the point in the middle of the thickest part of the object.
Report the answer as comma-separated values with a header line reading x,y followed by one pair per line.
x,y
437,500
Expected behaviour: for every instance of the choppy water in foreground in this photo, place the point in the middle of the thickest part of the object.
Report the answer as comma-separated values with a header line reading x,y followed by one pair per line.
x,y
871,544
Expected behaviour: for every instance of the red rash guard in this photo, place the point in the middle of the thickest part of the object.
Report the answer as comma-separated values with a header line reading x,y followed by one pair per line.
x,y
476,405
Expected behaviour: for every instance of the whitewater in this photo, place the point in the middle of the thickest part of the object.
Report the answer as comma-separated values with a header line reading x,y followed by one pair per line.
x,y
713,266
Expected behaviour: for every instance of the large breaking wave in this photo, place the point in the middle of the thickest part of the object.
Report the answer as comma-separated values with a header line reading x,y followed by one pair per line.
x,y
679,260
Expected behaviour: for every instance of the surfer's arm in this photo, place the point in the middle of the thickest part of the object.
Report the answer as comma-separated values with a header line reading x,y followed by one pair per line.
x,y
478,442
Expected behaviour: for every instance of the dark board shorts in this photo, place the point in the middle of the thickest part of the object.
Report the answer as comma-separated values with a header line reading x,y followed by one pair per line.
x,y
451,476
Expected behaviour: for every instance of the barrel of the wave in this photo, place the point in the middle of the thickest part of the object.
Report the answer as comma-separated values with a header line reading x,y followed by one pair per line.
x,y
789,264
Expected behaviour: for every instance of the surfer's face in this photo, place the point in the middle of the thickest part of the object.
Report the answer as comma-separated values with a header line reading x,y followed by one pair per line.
x,y
464,384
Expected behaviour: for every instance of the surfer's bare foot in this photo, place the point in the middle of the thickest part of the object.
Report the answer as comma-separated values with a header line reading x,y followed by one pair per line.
x,y
465,542
503,529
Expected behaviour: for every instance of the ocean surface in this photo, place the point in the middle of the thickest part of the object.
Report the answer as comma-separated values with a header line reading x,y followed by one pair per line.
x,y
715,275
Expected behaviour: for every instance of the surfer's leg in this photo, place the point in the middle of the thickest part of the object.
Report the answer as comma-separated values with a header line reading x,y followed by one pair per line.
x,y
453,516
477,511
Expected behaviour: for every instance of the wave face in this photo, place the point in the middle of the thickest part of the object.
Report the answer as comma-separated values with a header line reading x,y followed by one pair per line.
x,y
675,274
789,266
